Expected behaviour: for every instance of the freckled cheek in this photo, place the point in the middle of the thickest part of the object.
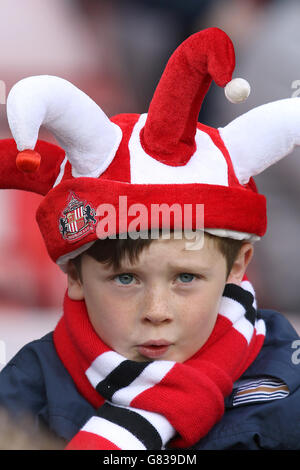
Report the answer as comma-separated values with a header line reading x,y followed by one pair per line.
x,y
202,314
199,322
115,316
113,327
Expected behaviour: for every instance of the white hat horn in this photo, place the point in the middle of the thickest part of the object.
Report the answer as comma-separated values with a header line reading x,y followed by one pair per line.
x,y
261,137
80,127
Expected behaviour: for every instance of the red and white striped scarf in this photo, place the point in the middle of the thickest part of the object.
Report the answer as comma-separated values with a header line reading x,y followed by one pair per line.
x,y
151,405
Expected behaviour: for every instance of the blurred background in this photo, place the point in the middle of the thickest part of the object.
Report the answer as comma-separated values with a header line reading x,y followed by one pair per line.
x,y
115,51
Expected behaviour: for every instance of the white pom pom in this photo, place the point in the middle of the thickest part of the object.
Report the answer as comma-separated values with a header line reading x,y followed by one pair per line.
x,y
237,90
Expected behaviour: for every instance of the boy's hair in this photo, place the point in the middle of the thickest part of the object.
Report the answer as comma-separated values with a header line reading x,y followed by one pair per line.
x,y
113,251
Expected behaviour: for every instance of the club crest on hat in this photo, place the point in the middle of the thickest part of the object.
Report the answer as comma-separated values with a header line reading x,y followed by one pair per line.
x,y
78,219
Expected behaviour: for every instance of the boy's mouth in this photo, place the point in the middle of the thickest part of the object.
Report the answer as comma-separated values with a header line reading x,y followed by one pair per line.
x,y
154,349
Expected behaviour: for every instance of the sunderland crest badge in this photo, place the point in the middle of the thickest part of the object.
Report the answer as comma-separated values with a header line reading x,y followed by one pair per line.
x,y
78,220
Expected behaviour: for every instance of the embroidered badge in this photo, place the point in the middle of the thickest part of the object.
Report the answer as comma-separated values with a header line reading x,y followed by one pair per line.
x,y
78,219
260,389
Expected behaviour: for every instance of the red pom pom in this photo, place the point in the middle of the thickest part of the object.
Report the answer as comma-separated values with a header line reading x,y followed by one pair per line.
x,y
28,161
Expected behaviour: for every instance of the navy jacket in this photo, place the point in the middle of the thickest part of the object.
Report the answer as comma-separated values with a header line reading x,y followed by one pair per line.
x,y
36,381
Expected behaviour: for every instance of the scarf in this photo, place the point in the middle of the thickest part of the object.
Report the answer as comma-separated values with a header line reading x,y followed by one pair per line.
x,y
154,404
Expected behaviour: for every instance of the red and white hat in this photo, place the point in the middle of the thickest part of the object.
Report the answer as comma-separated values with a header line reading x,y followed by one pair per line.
x,y
164,156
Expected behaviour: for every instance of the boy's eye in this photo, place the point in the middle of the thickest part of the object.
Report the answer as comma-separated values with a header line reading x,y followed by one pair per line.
x,y
125,278
186,277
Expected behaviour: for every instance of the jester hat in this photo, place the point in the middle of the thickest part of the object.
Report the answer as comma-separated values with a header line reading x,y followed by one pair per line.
x,y
163,156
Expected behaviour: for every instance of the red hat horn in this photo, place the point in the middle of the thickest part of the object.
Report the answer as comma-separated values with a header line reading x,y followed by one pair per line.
x,y
171,124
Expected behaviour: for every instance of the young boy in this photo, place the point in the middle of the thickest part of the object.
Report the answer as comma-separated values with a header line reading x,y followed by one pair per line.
x,y
169,293
161,344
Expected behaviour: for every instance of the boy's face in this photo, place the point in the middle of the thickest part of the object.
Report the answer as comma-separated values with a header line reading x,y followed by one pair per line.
x,y
164,306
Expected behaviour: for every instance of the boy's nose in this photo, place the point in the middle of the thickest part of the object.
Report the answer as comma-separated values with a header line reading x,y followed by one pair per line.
x,y
156,309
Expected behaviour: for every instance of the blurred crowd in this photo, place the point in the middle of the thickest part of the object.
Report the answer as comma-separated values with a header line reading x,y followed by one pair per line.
x,y
116,50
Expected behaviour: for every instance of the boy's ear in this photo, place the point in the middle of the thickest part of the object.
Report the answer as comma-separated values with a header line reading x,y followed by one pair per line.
x,y
240,264
75,288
